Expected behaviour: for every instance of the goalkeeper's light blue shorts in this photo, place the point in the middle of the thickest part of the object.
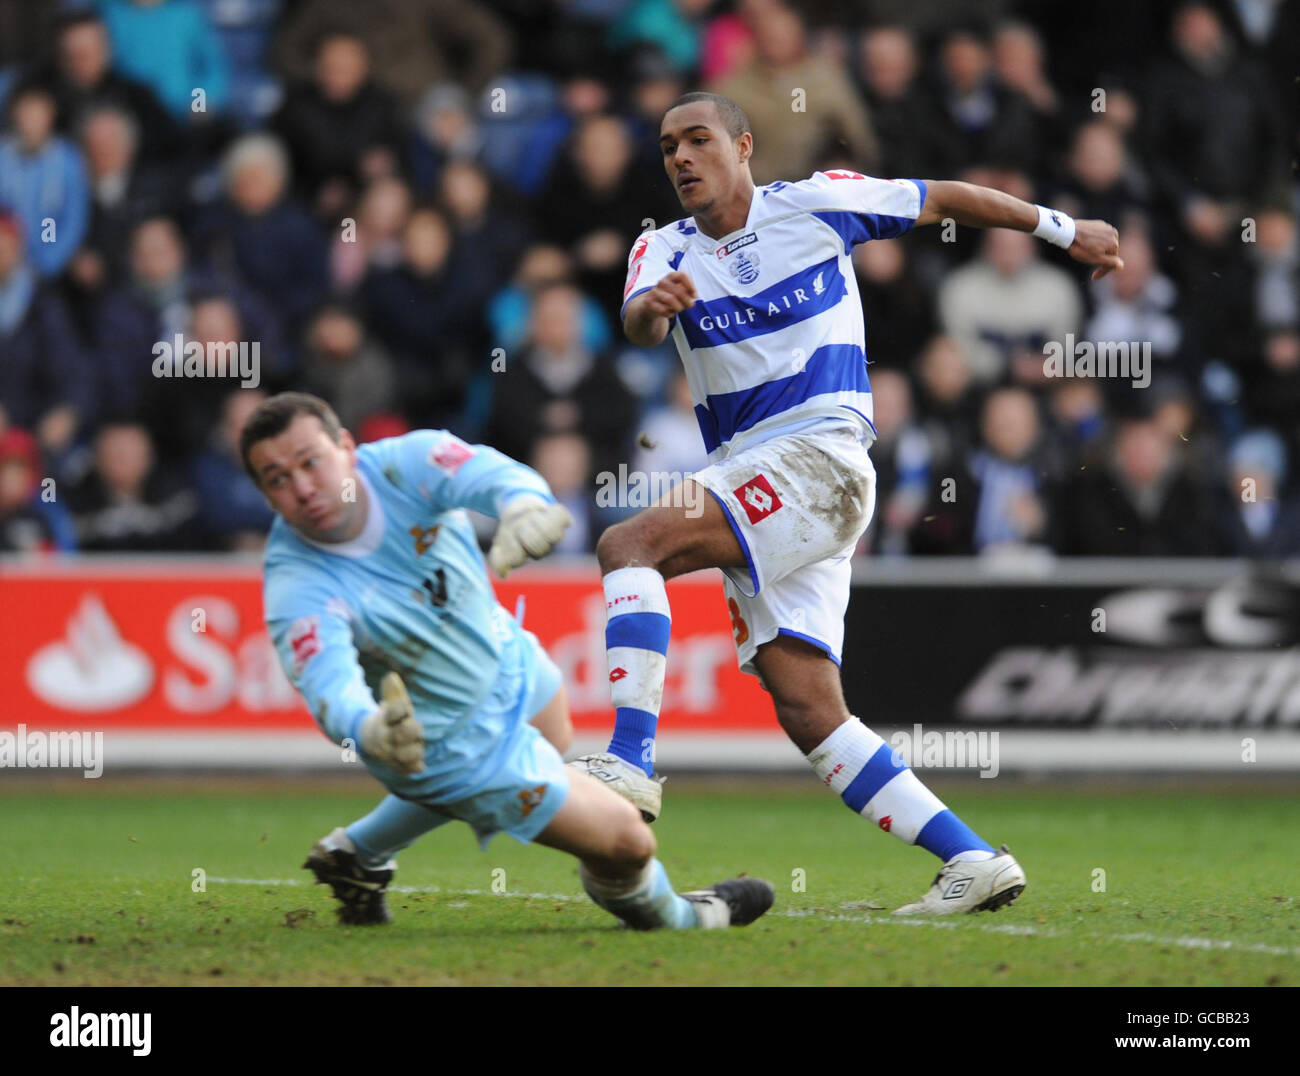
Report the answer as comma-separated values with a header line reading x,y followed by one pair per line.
x,y
523,782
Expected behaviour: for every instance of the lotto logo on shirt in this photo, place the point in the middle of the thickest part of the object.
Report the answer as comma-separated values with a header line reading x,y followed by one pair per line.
x,y
304,641
450,454
758,498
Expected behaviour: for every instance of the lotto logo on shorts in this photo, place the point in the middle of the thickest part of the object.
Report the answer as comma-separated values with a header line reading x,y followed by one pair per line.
x,y
758,498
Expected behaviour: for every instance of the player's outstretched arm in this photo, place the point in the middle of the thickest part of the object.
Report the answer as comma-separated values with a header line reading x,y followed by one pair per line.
x,y
1093,242
649,316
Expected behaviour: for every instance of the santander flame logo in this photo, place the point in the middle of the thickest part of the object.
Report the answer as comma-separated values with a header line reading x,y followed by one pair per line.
x,y
92,667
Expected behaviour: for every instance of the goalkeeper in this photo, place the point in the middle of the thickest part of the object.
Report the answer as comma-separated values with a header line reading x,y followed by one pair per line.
x,y
374,582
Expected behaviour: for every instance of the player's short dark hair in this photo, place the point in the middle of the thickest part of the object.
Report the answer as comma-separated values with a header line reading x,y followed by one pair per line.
x,y
732,115
274,415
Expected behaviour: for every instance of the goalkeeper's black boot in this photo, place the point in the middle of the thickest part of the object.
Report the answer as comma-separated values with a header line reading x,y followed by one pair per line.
x,y
359,889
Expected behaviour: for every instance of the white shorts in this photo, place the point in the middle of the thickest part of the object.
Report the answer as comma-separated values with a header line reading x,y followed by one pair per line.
x,y
798,505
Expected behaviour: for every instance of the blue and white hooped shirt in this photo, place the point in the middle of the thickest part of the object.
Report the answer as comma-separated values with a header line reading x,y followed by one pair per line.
x,y
775,341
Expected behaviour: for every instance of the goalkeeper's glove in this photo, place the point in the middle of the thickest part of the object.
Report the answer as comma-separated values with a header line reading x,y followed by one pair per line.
x,y
391,735
529,527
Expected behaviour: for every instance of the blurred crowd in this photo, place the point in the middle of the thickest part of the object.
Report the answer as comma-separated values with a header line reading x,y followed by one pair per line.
x,y
422,210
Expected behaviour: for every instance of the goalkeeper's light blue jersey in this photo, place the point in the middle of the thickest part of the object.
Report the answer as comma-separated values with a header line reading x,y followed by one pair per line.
x,y
410,593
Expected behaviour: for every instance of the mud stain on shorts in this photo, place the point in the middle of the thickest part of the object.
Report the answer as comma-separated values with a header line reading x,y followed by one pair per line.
x,y
829,490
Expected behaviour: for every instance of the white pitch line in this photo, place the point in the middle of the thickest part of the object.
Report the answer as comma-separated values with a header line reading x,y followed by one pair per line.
x,y
941,924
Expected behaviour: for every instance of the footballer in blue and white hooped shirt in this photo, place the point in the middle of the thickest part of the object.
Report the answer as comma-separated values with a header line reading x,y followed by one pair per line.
x,y
775,340
757,290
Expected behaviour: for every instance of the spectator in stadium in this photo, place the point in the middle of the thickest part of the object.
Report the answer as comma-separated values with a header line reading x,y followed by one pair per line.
x,y
673,27
1137,306
656,84
564,461
1019,66
445,130
1256,519
124,191
583,96
30,520
902,458
832,114
895,302
1078,421
232,512
181,412
488,239
128,502
245,28
172,47
43,180
1102,182
887,72
971,119
1272,385
81,77
1275,264
1004,306
946,400
1142,502
376,242
342,366
428,318
594,203
559,386
341,128
1015,490
260,234
728,46
510,308
412,42
1212,128
155,304
45,376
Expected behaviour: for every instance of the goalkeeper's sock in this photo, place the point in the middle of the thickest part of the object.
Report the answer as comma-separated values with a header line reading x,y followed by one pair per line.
x,y
636,645
872,780
644,901
389,828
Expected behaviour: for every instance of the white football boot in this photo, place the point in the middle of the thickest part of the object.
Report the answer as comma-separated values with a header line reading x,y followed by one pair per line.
x,y
630,782
981,886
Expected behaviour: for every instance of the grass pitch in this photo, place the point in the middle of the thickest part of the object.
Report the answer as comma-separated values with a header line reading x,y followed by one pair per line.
x,y
97,887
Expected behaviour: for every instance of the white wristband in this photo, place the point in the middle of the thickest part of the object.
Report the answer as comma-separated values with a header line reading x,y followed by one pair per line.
x,y
1054,226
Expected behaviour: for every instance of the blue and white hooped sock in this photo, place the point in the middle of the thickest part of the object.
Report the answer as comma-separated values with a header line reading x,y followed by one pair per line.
x,y
389,828
867,774
646,901
636,646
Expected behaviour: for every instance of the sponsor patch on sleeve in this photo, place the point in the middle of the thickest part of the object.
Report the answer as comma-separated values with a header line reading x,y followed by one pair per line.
x,y
304,641
450,454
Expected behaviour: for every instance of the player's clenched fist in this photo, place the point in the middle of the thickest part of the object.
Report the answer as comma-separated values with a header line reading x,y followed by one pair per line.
x,y
673,294
529,527
1096,243
391,735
